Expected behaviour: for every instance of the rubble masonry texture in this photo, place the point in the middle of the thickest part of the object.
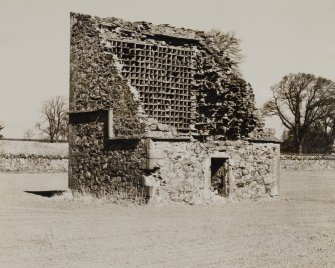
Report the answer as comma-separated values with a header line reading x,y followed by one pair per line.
x,y
146,151
184,169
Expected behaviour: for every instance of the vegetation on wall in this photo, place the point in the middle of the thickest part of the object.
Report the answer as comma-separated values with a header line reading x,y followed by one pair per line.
x,y
226,105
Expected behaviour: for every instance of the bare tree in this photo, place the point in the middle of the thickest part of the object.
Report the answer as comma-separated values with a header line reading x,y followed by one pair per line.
x,y
54,122
300,101
229,46
28,134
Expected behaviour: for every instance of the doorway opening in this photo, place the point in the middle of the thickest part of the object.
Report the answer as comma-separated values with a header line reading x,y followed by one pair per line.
x,y
219,176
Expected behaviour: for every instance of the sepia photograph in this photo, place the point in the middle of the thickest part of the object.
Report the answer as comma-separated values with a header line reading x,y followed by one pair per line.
x,y
167,133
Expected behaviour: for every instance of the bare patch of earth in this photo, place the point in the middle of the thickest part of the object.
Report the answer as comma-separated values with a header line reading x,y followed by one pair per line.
x,y
296,231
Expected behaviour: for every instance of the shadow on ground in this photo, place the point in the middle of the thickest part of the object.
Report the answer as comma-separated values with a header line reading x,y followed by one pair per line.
x,y
45,193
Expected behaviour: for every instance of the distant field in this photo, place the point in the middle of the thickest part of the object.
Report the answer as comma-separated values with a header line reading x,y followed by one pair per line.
x,y
296,231
17,147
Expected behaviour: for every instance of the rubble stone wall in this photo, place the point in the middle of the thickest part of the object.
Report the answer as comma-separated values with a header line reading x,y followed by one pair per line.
x,y
102,166
307,162
98,164
183,169
95,81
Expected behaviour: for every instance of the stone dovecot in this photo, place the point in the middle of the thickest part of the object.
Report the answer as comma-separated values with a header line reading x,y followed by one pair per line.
x,y
159,110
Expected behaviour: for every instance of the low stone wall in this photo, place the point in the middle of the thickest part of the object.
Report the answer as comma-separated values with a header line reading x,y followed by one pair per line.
x,y
33,157
25,163
307,162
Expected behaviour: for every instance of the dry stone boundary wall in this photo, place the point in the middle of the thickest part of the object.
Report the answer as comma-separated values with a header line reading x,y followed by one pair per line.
x,y
307,162
33,157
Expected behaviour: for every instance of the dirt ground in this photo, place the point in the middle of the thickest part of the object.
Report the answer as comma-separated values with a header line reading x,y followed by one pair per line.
x,y
296,231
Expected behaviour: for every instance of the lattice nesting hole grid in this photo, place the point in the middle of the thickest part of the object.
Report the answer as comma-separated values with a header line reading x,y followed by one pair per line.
x,y
162,75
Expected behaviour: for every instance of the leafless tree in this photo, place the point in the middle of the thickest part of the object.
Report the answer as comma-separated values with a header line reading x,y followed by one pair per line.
x,y
54,122
230,46
300,101
28,134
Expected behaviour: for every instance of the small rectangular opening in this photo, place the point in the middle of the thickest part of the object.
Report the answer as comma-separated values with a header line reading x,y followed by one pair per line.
x,y
110,124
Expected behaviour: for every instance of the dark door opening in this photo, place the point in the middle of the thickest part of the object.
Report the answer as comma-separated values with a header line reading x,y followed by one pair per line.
x,y
219,178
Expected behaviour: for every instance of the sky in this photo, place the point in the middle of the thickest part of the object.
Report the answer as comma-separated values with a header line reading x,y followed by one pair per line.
x,y
278,37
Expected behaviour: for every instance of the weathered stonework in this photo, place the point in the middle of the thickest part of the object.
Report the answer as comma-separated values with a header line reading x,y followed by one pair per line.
x,y
184,169
156,109
99,165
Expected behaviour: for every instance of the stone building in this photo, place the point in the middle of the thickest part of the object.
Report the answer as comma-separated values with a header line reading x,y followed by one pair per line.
x,y
159,110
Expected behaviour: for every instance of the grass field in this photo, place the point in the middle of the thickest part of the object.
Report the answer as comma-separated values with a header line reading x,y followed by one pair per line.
x,y
296,231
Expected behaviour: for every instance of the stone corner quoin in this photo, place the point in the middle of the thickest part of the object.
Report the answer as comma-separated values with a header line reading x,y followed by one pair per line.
x,y
158,111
